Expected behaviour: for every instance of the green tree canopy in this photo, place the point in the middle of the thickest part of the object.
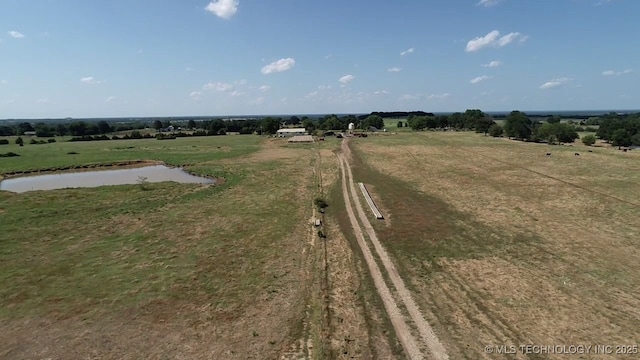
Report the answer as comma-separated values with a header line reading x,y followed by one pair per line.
x,y
518,125
496,130
270,125
417,122
621,137
373,120
555,119
589,139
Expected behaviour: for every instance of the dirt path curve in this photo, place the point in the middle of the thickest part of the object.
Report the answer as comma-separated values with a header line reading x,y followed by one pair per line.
x,y
434,346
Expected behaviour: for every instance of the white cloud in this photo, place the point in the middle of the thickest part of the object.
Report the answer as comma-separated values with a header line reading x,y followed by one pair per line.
x,y
259,100
346,79
236,93
394,69
494,63
325,87
438,96
488,3
493,39
617,73
410,97
381,92
554,83
509,38
264,88
480,79
327,57
284,99
223,8
15,34
217,86
4,81
408,51
279,66
110,99
90,80
195,94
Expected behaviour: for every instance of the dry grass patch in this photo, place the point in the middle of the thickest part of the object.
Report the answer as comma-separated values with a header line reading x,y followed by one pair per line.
x,y
506,245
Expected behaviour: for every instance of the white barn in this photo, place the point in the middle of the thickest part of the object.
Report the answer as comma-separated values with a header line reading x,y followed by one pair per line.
x,y
291,132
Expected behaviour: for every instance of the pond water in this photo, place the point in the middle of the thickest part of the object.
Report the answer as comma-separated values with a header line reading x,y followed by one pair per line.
x,y
156,173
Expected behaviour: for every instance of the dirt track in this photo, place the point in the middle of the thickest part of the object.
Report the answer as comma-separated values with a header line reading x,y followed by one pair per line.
x,y
412,347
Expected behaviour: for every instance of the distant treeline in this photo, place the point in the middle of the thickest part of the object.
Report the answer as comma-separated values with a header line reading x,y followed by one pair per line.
x,y
620,130
396,114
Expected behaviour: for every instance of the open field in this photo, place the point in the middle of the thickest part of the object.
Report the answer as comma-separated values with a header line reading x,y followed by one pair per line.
x,y
496,243
176,271
502,245
174,152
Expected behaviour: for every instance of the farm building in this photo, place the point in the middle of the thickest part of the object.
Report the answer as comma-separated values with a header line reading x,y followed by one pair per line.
x,y
291,132
301,139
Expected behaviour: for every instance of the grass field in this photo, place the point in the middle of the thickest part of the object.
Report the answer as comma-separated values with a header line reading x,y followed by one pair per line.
x,y
175,271
500,244
505,245
181,151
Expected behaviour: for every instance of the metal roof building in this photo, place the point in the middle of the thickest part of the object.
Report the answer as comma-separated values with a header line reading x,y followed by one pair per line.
x,y
291,132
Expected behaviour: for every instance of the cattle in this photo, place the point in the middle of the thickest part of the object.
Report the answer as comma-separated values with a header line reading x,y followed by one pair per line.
x,y
625,150
590,150
548,154
577,154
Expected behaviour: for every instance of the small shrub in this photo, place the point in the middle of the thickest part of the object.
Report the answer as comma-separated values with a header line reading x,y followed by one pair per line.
x,y
320,203
9,154
4,142
19,141
496,130
143,182
589,139
50,141
321,234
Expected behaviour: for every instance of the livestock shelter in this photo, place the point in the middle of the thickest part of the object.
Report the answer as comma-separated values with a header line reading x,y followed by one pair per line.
x,y
301,139
291,132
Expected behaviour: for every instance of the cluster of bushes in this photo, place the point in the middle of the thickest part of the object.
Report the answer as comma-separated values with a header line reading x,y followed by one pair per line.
x,y
4,142
620,130
39,142
9,154
586,129
165,137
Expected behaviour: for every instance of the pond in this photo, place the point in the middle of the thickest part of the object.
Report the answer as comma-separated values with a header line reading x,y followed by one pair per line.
x,y
151,174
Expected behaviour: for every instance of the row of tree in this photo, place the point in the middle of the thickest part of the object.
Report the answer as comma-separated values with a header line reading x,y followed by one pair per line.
x,y
76,128
472,119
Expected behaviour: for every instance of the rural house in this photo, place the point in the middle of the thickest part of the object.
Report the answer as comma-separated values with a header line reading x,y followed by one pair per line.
x,y
291,132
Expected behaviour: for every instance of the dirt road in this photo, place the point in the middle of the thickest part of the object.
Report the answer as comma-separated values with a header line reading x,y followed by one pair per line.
x,y
430,343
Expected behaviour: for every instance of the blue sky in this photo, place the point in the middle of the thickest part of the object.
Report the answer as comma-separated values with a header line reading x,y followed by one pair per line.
x,y
83,58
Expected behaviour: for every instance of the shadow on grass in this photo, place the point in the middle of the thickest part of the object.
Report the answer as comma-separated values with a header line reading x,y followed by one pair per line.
x,y
424,229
